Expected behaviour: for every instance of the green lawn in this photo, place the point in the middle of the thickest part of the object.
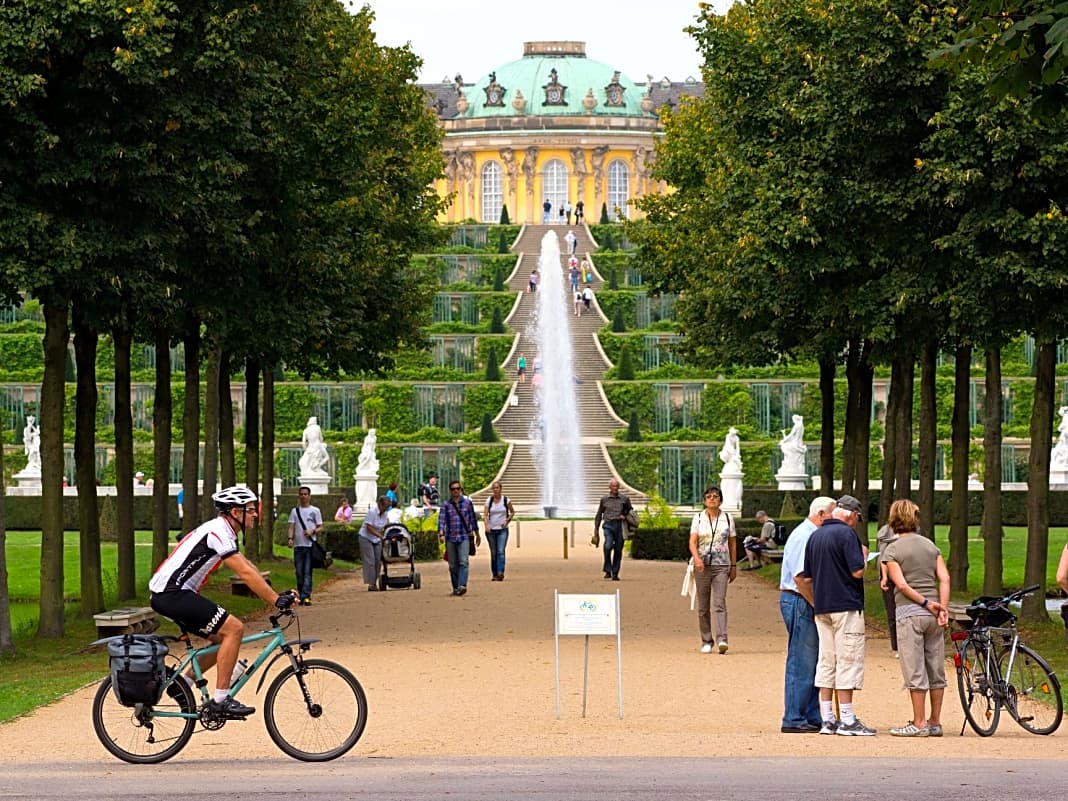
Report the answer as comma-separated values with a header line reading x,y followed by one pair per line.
x,y
43,670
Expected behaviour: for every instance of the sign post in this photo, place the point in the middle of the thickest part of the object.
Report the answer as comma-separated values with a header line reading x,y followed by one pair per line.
x,y
588,615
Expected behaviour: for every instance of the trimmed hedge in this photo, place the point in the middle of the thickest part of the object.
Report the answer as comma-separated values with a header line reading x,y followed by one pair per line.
x,y
343,538
672,544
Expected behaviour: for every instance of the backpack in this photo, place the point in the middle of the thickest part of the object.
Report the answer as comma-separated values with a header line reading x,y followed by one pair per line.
x,y
780,534
138,669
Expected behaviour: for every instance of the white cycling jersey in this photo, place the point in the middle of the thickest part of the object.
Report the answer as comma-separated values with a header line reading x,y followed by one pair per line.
x,y
197,556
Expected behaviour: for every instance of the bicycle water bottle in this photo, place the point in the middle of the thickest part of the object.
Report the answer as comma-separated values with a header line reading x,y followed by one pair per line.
x,y
239,671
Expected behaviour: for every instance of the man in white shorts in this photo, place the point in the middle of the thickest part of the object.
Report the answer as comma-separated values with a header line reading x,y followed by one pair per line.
x,y
834,578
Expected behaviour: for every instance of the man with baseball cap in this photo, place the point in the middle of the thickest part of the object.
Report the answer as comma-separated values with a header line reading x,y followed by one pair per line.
x,y
833,577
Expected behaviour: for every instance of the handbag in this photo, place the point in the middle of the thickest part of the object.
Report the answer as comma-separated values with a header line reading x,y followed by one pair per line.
x,y
320,557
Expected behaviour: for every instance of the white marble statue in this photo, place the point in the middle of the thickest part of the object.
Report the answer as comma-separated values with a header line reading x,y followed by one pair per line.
x,y
793,448
367,464
31,446
315,457
731,453
1059,457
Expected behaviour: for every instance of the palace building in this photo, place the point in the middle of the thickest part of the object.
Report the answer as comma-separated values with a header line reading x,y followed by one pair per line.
x,y
553,125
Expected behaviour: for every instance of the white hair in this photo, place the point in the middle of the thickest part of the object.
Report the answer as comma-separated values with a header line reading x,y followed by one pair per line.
x,y
821,504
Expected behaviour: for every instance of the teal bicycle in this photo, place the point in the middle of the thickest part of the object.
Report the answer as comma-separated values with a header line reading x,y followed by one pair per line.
x,y
315,710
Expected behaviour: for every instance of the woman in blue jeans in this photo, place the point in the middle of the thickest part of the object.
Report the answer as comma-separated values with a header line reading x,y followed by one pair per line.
x,y
499,513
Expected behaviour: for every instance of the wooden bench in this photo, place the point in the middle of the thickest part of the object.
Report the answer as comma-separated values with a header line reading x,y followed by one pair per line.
x,y
127,620
239,587
773,554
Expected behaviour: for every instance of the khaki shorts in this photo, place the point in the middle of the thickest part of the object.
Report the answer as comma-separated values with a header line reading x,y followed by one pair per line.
x,y
921,646
841,661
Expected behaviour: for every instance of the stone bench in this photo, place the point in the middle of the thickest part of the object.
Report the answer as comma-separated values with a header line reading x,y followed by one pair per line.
x,y
127,620
239,587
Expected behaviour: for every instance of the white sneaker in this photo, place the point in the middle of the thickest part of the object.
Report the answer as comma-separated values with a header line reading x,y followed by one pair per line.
x,y
706,648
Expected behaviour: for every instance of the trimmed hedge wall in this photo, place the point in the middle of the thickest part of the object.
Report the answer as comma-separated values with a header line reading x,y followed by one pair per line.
x,y
672,544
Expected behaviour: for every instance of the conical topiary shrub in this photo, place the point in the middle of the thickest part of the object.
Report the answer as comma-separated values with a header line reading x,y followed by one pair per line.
x,y
493,370
634,432
487,434
618,325
502,243
496,323
626,364
604,214
498,280
504,219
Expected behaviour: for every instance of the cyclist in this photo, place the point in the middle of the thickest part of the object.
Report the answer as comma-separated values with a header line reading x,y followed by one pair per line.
x,y
177,582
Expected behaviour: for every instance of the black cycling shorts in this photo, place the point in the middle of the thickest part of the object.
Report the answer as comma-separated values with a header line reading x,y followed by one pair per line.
x,y
190,610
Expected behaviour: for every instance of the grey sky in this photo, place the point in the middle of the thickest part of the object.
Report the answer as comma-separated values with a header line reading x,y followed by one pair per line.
x,y
471,37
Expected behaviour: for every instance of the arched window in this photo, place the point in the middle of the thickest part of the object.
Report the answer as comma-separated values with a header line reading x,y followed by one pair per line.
x,y
554,185
618,189
492,192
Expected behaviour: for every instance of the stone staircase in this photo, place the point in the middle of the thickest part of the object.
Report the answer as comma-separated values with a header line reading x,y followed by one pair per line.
x,y
515,424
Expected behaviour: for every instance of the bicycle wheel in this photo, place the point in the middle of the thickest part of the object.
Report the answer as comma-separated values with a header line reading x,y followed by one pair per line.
x,y
1032,692
324,726
981,707
141,736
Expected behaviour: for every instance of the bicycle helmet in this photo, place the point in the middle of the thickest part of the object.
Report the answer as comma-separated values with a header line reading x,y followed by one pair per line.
x,y
227,499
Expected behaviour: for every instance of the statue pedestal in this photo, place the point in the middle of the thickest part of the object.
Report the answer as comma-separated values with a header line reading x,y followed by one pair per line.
x,y
1058,476
28,483
730,483
319,484
791,480
366,493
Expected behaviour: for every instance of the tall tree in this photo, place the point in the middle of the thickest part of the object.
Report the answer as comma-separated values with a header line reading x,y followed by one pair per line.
x,y
86,338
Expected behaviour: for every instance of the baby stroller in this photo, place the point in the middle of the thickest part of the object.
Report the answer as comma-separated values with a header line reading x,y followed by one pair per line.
x,y
398,549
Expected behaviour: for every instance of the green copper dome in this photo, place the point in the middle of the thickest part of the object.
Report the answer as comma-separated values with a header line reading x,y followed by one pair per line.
x,y
554,79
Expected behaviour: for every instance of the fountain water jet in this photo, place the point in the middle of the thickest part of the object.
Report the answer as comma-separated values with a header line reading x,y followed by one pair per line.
x,y
557,428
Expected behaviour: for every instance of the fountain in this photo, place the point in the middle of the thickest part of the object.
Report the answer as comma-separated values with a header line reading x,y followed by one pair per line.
x,y
556,428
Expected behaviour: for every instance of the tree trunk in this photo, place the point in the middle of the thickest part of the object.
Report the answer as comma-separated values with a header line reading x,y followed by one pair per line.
x,y
1034,606
827,373
191,431
7,642
849,466
86,338
903,450
267,537
227,471
855,457
162,413
211,428
124,468
928,449
890,442
56,337
958,509
992,532
252,457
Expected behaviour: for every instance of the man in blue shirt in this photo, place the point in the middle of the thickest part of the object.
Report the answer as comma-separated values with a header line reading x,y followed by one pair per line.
x,y
457,524
801,702
833,576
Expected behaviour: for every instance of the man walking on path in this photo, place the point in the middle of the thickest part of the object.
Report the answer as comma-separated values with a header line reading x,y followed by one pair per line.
x,y
612,511
833,579
305,525
801,699
572,242
457,524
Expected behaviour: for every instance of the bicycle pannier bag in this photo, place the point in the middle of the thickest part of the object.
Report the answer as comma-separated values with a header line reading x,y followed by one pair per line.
x,y
137,668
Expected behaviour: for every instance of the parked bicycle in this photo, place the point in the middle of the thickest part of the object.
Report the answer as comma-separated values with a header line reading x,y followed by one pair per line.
x,y
996,671
315,710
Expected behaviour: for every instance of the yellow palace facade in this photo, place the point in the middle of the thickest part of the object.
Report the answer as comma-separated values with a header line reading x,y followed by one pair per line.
x,y
551,126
